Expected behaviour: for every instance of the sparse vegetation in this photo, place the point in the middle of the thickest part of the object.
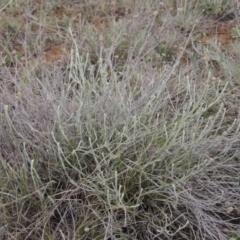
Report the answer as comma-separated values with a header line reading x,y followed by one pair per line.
x,y
119,120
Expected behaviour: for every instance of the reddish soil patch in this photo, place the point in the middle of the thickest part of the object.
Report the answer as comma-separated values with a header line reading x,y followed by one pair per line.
x,y
56,53
222,32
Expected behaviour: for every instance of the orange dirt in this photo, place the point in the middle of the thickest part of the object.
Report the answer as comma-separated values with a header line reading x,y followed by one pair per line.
x,y
222,32
56,53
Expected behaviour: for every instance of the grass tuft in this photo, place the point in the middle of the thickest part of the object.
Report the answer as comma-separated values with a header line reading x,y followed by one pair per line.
x,y
120,137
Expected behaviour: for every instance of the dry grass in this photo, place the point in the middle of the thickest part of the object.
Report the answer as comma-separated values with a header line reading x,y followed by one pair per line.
x,y
119,120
